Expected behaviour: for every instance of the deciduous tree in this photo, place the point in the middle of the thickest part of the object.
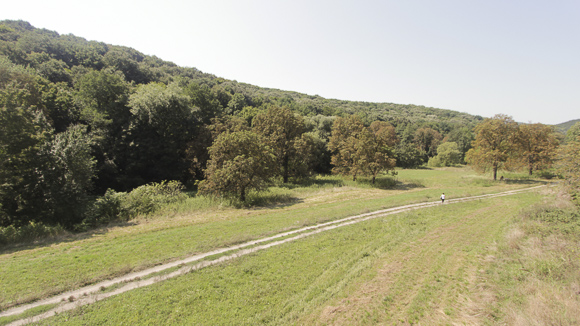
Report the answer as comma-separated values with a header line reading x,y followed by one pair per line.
x,y
239,161
427,139
163,123
22,133
568,165
282,129
69,168
375,148
494,143
537,144
447,155
463,137
343,145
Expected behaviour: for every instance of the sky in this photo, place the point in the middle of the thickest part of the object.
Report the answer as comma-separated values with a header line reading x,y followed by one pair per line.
x,y
483,57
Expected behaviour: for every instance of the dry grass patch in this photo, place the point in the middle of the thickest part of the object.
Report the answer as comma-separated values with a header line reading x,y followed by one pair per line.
x,y
533,279
424,281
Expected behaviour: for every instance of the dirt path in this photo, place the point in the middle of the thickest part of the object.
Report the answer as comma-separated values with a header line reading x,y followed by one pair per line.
x,y
93,293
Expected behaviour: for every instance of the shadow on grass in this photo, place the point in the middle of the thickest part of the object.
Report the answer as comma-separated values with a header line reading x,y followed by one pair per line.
x,y
380,182
390,183
409,185
63,238
311,182
524,181
266,200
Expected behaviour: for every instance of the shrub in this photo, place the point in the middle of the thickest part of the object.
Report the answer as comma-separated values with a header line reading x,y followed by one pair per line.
x,y
148,198
28,233
104,210
435,162
124,206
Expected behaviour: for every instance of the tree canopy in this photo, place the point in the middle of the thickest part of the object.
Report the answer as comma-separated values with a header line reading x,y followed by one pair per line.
x,y
282,129
494,143
80,119
239,161
537,145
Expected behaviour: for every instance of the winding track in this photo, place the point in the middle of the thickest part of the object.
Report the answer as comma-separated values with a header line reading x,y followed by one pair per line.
x,y
92,293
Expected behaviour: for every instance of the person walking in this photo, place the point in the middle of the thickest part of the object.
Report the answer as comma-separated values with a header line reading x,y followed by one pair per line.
x,y
442,198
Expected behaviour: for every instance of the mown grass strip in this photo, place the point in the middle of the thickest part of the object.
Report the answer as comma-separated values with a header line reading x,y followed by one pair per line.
x,y
252,245
34,273
294,283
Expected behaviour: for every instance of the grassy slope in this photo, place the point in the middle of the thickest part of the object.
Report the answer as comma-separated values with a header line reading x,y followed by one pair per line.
x,y
414,267
38,271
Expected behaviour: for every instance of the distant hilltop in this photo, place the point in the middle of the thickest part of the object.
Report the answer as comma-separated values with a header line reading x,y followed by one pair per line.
x,y
564,126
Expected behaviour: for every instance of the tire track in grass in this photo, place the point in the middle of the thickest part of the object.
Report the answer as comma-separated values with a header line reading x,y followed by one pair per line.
x,y
93,293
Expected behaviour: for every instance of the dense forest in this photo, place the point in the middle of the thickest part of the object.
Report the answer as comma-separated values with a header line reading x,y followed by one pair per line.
x,y
81,121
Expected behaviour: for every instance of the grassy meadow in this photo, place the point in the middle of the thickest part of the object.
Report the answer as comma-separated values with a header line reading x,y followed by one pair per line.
x,y
424,266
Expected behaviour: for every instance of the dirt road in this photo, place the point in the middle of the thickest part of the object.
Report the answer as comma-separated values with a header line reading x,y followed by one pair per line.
x,y
93,293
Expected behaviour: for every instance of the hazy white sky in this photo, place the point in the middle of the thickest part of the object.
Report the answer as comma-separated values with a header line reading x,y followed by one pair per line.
x,y
520,58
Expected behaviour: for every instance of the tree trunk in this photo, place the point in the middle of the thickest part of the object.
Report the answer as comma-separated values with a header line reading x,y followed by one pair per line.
x,y
495,172
285,168
373,179
243,194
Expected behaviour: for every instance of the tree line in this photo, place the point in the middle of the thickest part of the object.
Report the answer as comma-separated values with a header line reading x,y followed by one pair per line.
x,y
79,119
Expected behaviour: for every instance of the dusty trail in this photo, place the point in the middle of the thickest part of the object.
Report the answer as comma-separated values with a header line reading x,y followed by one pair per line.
x,y
92,293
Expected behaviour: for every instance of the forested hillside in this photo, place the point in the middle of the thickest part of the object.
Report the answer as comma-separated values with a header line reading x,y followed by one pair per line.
x,y
81,119
565,126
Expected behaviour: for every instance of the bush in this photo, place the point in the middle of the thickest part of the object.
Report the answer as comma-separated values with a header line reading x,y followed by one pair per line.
x,y
448,155
148,198
124,206
435,162
104,210
408,156
546,174
28,233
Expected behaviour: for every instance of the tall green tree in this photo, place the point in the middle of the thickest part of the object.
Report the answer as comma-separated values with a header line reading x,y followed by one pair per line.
x,y
282,129
494,143
163,123
427,139
343,145
320,128
568,165
22,133
205,101
23,130
126,60
447,154
69,168
102,97
463,137
408,155
19,86
102,100
197,153
376,148
537,144
239,161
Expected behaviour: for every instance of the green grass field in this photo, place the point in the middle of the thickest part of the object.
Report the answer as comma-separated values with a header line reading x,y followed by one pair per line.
x,y
416,267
